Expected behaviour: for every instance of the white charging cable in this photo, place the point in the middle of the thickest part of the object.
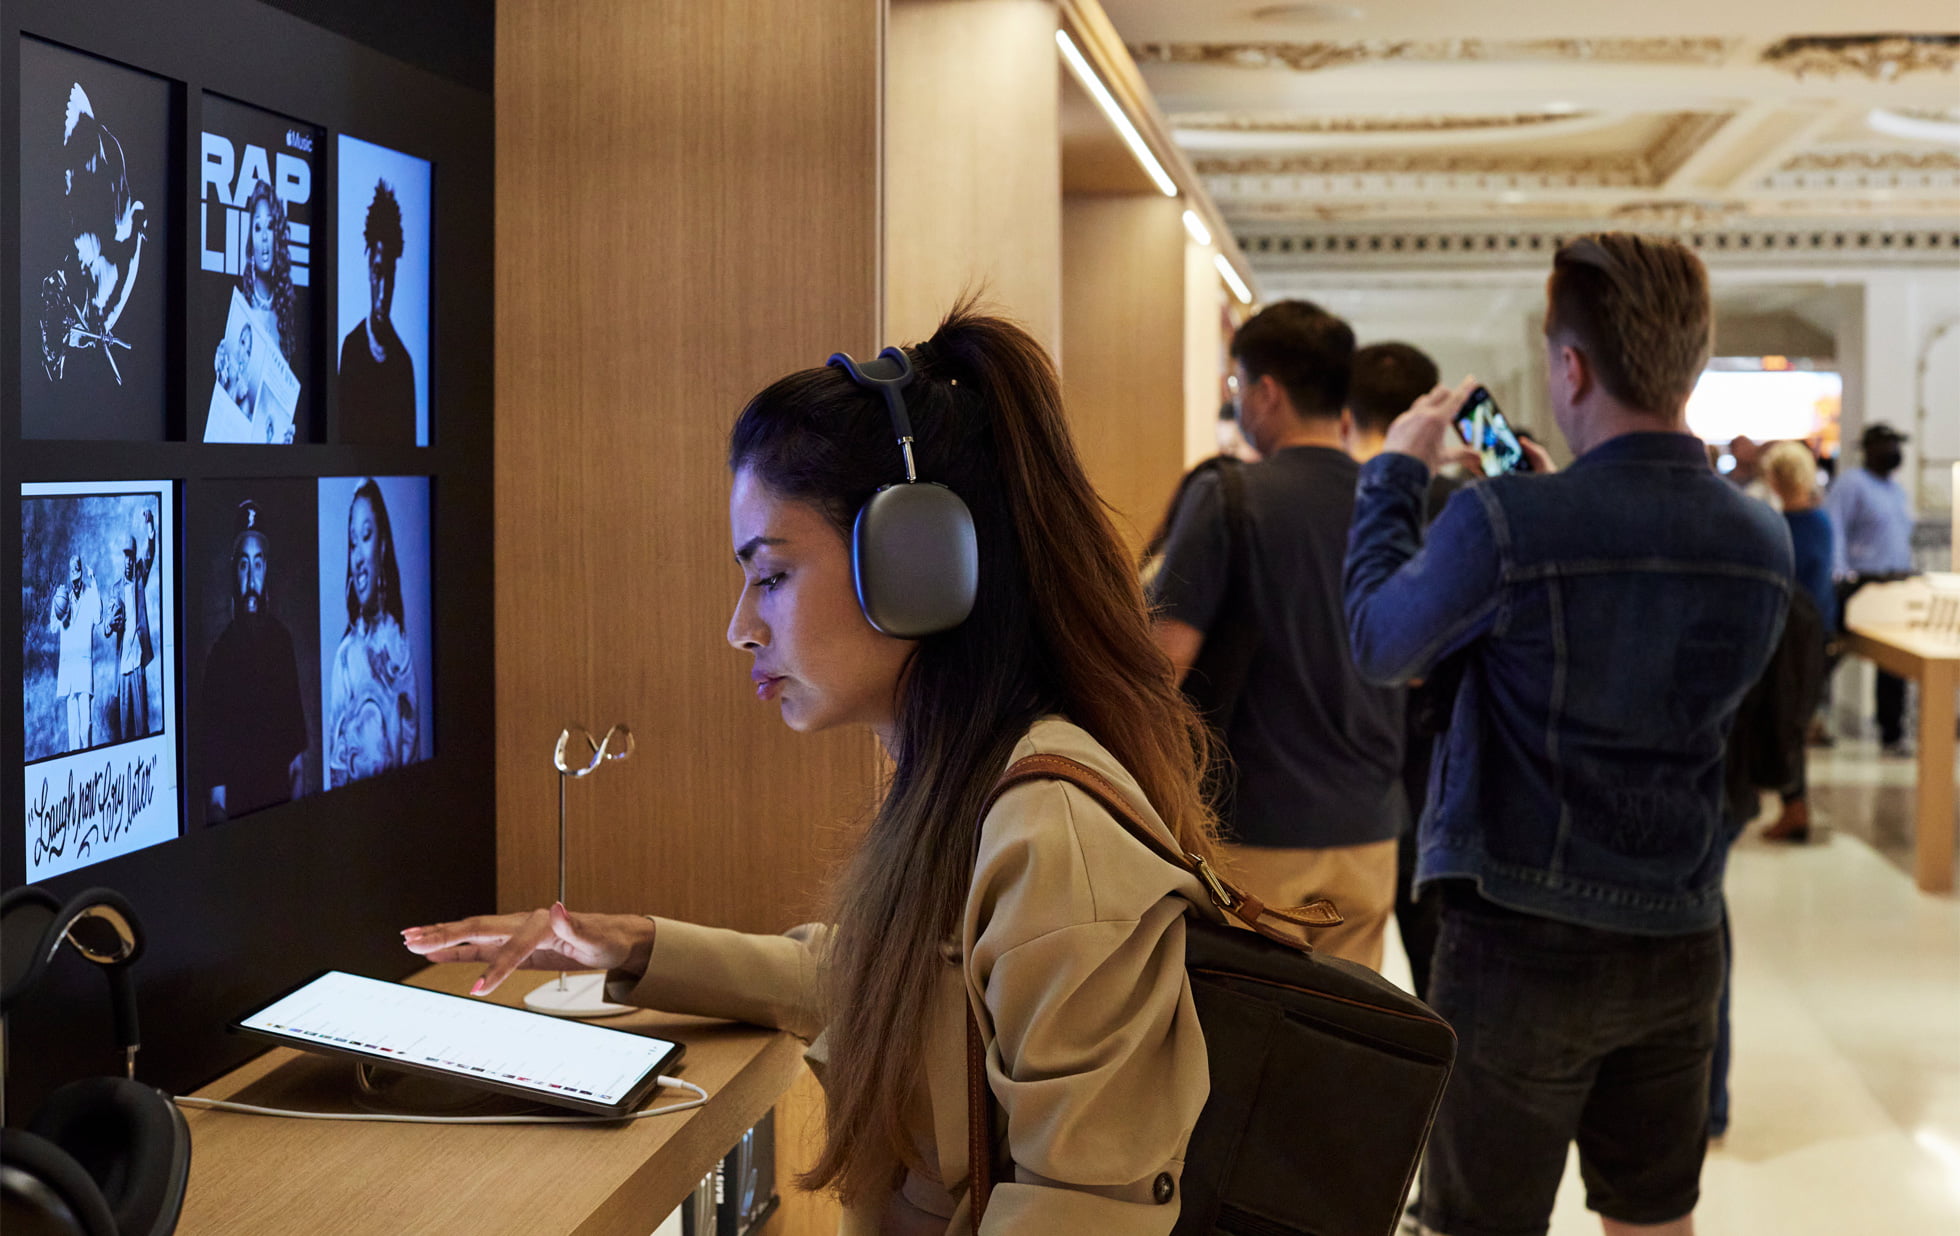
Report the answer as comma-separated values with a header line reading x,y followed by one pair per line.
x,y
226,1105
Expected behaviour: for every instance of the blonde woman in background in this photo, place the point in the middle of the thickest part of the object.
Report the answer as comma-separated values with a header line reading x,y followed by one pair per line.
x,y
1791,472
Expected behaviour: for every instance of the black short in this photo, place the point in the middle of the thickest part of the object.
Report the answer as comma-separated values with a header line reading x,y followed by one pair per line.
x,y
1565,1033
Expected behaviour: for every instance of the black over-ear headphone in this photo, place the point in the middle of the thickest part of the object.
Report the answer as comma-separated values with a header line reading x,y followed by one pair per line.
x,y
913,555
107,1156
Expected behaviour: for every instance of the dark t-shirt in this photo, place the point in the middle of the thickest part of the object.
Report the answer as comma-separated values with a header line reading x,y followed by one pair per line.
x,y
1318,750
377,399
253,720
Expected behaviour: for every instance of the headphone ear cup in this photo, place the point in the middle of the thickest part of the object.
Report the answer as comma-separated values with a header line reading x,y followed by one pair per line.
x,y
131,1141
47,1193
915,560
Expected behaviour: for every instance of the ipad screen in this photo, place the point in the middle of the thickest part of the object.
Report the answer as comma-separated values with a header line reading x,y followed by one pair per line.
x,y
553,1058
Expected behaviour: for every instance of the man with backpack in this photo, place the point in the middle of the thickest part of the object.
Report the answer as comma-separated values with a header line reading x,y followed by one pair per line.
x,y
1609,620
1248,599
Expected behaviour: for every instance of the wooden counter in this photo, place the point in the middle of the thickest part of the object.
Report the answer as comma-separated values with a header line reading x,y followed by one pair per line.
x,y
261,1175
1935,665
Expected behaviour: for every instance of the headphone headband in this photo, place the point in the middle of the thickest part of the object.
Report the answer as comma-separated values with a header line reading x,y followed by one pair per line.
x,y
101,925
889,374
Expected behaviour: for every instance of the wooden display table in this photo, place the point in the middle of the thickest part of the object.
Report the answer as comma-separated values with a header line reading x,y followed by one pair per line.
x,y
1935,665
258,1174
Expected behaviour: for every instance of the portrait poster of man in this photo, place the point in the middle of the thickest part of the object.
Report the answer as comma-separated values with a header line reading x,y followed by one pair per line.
x,y
98,684
376,709
384,231
253,551
95,215
255,294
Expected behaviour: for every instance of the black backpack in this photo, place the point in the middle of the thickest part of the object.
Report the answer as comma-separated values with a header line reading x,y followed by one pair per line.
x,y
1325,1076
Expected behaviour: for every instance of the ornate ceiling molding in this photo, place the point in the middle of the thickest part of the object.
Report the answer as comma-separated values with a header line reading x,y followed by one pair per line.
x,y
1622,168
1880,57
1681,135
1874,161
1678,214
1313,57
1467,244
1219,122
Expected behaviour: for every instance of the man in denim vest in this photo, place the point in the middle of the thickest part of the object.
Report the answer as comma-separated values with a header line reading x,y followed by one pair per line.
x,y
1608,620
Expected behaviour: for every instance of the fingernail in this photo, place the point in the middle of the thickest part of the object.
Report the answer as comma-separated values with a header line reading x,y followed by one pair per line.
x,y
476,988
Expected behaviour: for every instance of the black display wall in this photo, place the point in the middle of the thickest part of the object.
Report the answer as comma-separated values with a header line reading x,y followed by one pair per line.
x,y
238,909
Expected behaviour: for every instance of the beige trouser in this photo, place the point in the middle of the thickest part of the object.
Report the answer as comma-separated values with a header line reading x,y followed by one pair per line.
x,y
1358,879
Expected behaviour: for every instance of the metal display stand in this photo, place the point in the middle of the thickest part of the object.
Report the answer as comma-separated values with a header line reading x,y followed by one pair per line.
x,y
584,994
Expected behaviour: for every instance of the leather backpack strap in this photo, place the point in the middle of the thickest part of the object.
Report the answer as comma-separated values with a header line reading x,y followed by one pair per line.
x,y
1230,898
1227,896
979,1122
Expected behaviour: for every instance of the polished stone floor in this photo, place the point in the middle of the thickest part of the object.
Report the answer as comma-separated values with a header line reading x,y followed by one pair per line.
x,y
1846,1084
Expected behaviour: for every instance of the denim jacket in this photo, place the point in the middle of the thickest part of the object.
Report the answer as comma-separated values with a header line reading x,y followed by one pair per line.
x,y
1608,620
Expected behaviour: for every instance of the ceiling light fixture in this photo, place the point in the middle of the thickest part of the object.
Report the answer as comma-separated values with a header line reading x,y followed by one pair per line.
x,y
1106,101
1944,127
1231,278
1196,227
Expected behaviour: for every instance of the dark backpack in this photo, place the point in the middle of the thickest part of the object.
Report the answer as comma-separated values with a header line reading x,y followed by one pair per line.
x,y
1217,678
1324,1075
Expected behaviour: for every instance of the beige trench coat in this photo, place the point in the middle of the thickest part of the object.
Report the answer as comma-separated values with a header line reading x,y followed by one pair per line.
x,y
1074,965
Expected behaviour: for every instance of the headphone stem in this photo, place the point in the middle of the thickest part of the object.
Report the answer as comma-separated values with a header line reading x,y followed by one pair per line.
x,y
911,469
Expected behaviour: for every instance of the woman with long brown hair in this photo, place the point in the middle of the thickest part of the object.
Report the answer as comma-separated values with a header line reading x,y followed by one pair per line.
x,y
1062,933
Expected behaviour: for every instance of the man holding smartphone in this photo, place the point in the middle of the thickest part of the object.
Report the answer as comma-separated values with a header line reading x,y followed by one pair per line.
x,y
1610,619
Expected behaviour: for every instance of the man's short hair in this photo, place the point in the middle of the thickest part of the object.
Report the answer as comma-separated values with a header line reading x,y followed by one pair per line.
x,y
1387,378
1306,349
1637,307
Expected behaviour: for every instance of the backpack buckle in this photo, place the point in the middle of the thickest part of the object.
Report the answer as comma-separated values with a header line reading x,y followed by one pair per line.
x,y
1221,895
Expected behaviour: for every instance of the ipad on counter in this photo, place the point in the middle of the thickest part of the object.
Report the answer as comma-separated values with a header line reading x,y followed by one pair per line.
x,y
554,1060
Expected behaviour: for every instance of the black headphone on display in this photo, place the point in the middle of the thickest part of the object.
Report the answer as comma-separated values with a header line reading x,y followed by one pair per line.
x,y
106,1156
913,555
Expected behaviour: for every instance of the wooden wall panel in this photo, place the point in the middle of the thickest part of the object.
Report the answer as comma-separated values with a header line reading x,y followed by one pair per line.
x,y
687,207
973,162
1123,322
1207,344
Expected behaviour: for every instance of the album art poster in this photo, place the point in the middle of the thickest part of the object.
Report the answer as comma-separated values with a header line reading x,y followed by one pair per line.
x,y
253,559
375,626
384,222
255,290
98,683
95,219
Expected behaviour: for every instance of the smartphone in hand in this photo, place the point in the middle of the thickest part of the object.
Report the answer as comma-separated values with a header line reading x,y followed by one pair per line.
x,y
1487,432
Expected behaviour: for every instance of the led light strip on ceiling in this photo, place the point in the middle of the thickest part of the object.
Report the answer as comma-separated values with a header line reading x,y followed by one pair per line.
x,y
1100,93
1145,157
1232,279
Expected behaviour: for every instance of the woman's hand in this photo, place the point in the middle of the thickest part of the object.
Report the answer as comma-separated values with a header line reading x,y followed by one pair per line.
x,y
554,939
